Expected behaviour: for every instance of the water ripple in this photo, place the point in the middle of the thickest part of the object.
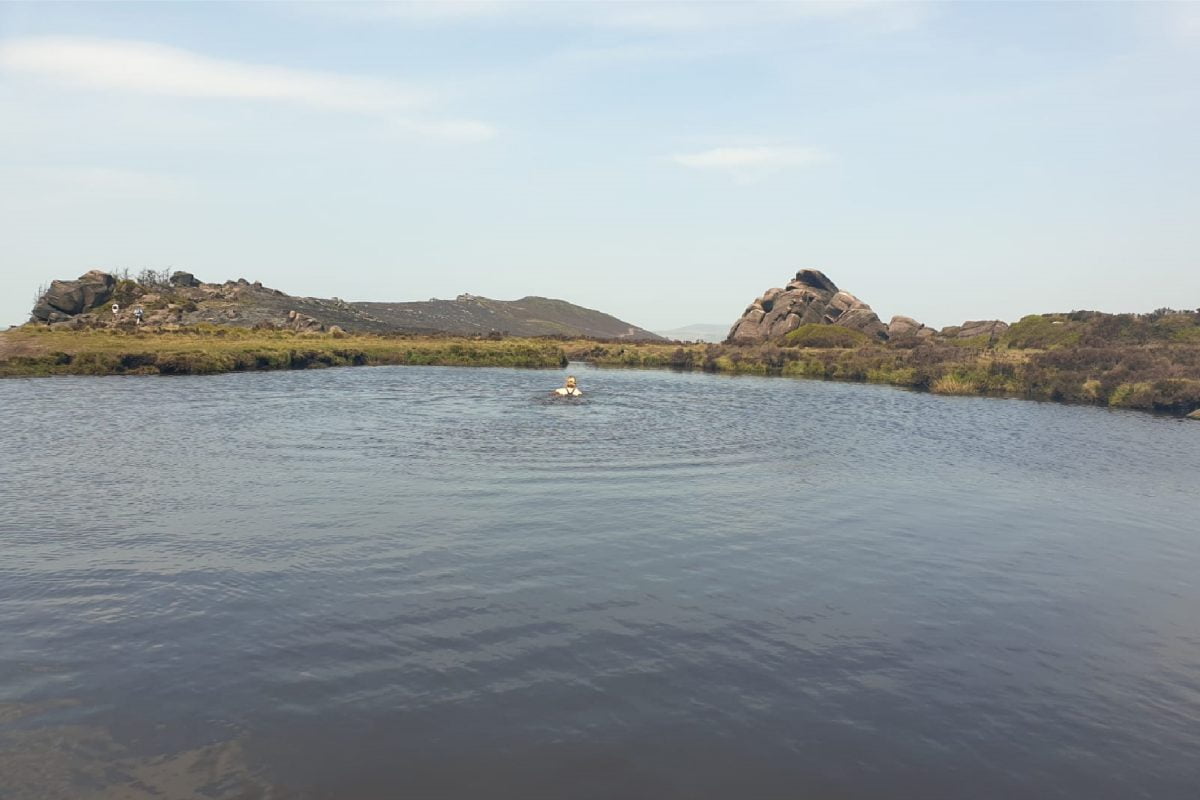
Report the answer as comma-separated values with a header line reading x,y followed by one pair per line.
x,y
334,583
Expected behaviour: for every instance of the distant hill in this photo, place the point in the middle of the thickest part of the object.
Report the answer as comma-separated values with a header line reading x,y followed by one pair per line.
x,y
700,332
529,316
181,299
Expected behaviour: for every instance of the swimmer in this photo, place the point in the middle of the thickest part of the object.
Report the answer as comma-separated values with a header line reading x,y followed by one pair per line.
x,y
569,389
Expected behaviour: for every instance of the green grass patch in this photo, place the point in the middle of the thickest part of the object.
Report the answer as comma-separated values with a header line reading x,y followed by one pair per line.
x,y
206,350
1042,332
825,336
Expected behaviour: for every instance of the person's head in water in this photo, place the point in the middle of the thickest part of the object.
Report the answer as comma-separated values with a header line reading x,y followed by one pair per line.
x,y
569,389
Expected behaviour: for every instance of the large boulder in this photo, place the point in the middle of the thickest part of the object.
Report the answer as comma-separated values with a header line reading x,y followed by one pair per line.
x,y
65,299
185,280
809,298
907,328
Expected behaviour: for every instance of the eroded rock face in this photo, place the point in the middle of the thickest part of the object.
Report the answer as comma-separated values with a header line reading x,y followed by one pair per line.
x,y
809,298
65,299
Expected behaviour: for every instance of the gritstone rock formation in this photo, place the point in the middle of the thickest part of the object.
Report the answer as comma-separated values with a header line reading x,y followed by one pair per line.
x,y
907,327
811,298
993,329
183,299
65,299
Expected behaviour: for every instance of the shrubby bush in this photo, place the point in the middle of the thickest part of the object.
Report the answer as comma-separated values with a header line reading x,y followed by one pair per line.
x,y
816,335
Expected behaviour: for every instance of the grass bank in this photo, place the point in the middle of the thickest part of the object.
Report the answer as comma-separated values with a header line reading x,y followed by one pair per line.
x,y
1156,376
1161,376
34,351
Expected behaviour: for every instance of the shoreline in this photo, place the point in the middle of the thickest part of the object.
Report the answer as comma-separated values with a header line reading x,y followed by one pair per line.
x,y
1163,379
31,352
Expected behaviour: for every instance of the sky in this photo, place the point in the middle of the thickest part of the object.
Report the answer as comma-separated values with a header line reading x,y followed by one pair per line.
x,y
663,162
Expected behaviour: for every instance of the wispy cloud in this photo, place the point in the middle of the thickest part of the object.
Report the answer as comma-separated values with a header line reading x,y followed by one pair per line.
x,y
70,183
655,16
745,161
1187,21
683,17
156,69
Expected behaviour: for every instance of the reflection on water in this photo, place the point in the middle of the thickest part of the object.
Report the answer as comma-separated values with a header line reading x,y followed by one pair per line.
x,y
437,583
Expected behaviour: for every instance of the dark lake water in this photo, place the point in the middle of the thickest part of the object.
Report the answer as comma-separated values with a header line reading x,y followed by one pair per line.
x,y
426,582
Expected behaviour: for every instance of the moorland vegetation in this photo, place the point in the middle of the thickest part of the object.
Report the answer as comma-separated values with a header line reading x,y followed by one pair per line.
x,y
1141,361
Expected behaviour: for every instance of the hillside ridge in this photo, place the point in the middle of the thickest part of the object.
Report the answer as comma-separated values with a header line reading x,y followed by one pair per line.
x,y
180,299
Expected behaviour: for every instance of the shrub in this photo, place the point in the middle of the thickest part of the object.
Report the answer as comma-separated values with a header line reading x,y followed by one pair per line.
x,y
1042,331
805,369
816,335
681,359
1132,395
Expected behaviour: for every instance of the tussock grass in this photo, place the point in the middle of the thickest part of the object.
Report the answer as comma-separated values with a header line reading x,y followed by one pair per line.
x,y
954,384
204,350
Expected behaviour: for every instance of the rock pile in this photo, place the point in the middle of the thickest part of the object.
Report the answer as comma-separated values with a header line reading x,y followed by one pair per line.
x,y
993,329
302,322
809,298
907,328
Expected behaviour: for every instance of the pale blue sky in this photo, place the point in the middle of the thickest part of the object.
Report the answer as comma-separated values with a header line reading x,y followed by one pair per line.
x,y
665,162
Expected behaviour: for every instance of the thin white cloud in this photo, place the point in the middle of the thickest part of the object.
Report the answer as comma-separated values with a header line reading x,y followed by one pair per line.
x,y
62,184
682,17
757,158
155,69
464,130
1187,21
656,16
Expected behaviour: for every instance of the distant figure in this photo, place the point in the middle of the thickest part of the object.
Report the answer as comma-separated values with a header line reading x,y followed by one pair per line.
x,y
116,309
137,315
569,389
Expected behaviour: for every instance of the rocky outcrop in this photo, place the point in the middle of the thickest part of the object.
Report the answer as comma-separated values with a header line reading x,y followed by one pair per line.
x,y
908,328
993,329
184,280
65,299
302,322
182,299
810,298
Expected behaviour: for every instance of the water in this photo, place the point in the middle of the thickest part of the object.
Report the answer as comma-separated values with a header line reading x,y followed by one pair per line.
x,y
427,582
